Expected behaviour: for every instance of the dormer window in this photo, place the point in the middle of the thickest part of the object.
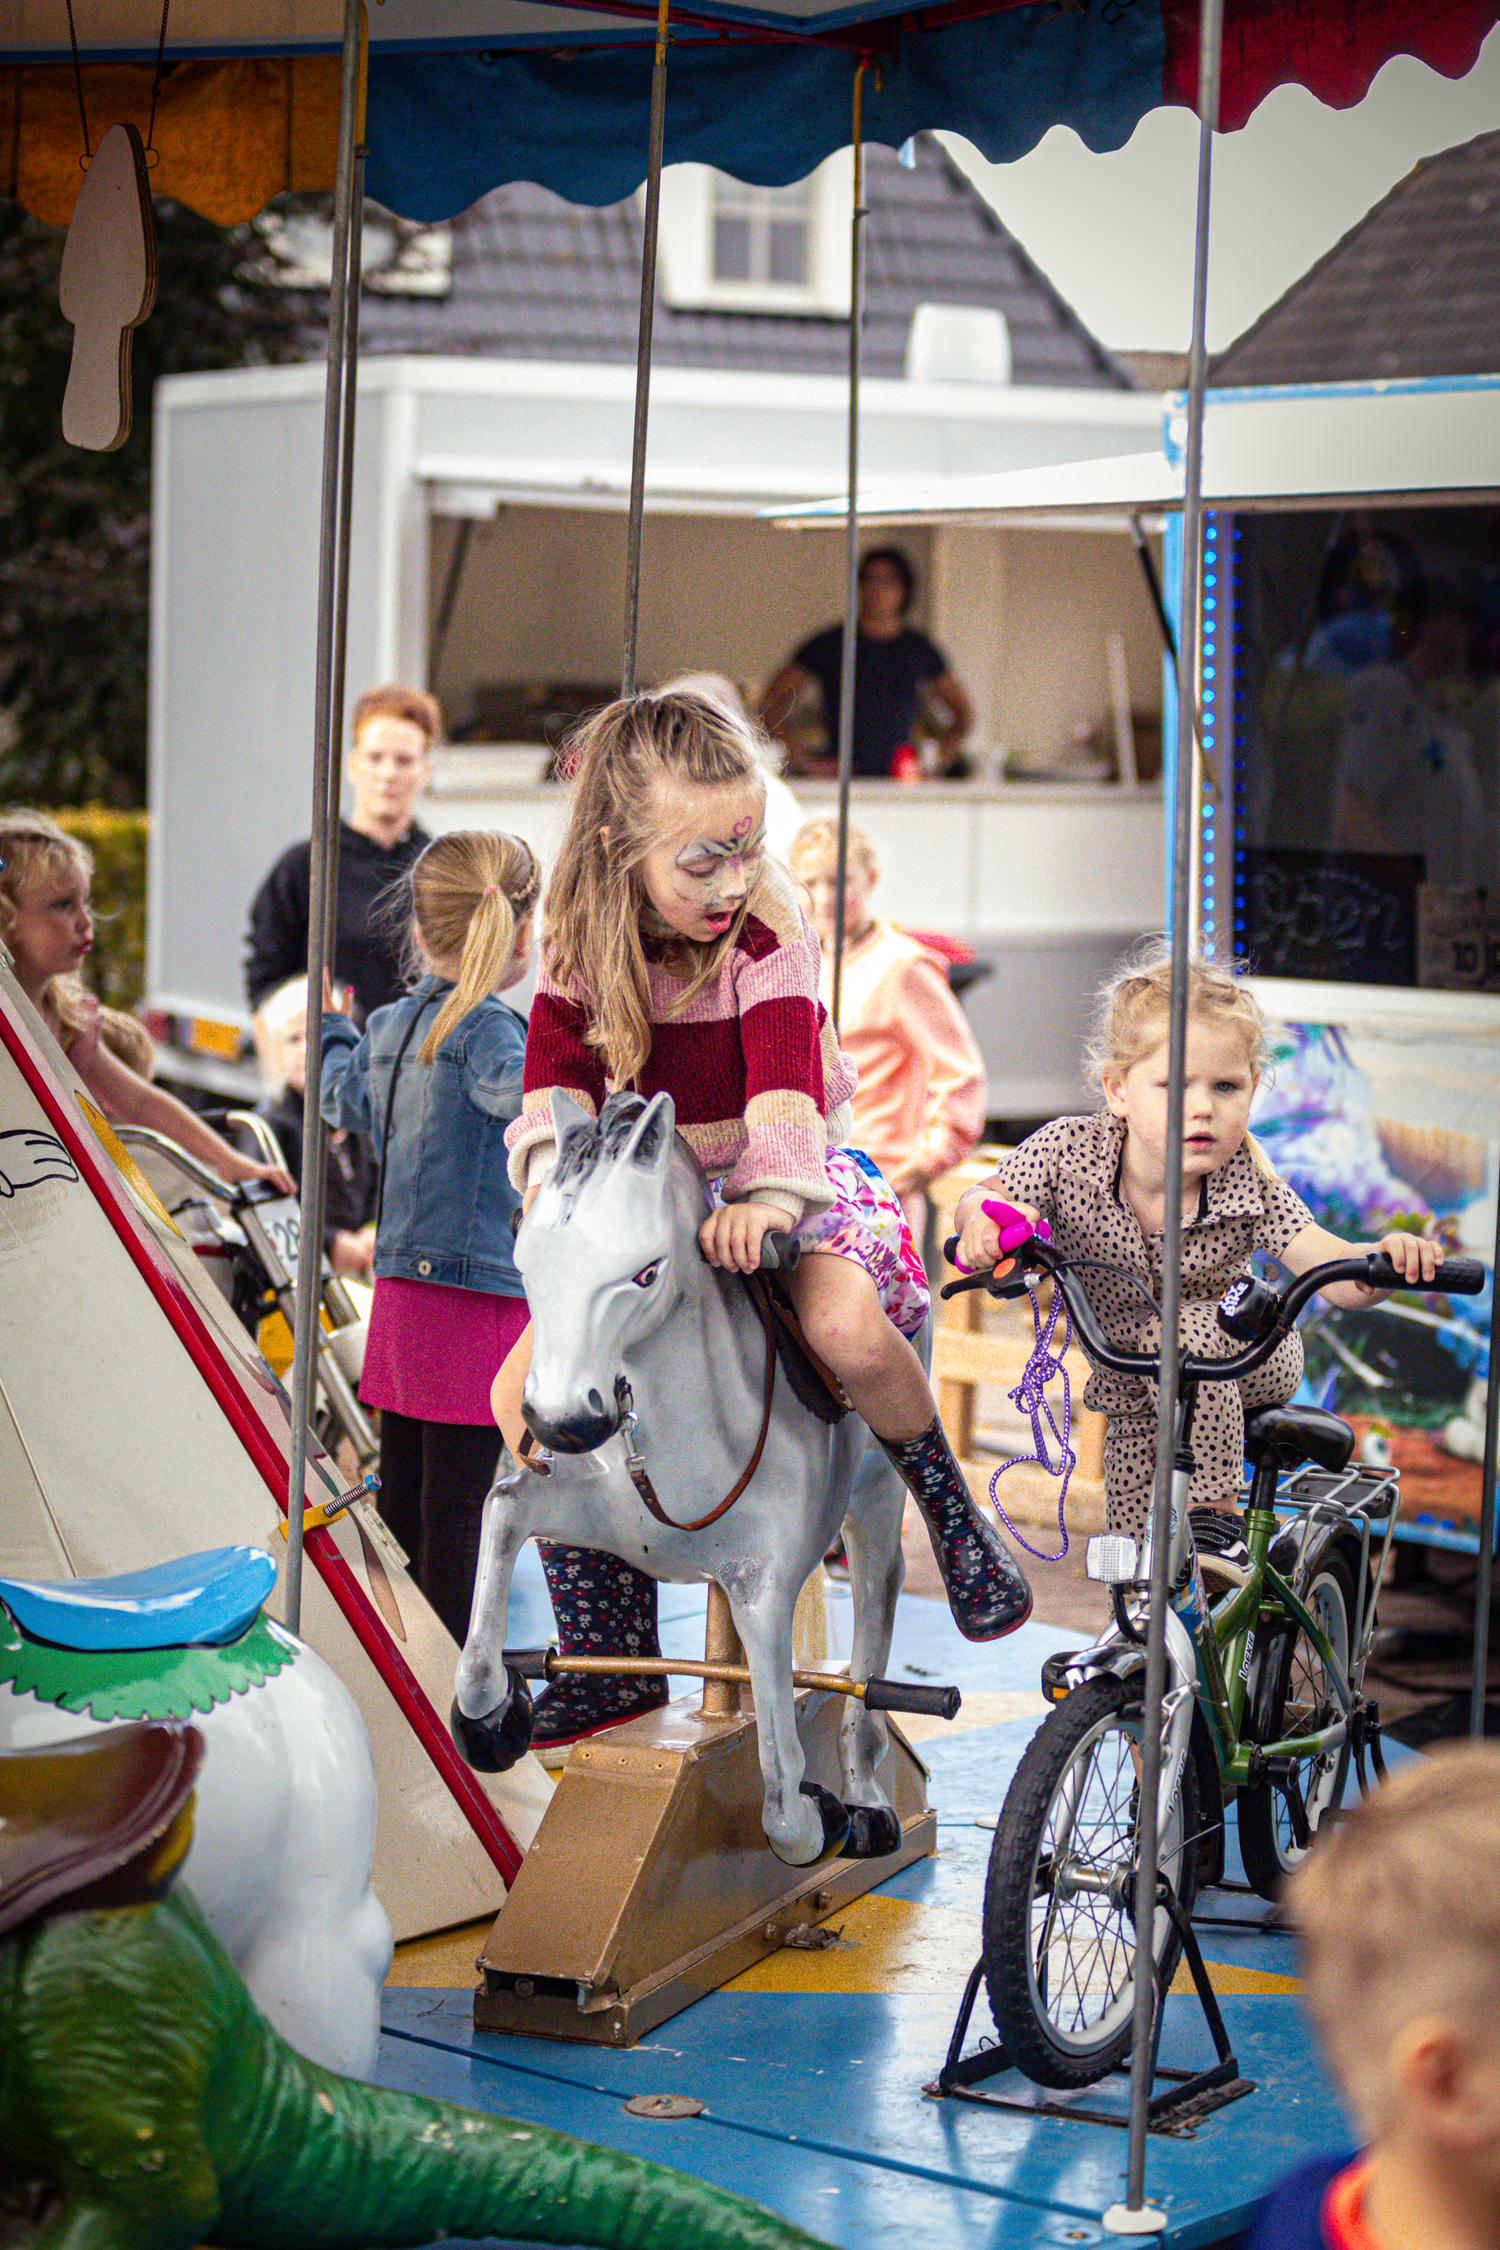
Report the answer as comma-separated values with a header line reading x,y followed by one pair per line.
x,y
762,235
728,246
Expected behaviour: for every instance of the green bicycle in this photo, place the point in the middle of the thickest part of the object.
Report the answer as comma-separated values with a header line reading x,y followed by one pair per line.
x,y
1264,1697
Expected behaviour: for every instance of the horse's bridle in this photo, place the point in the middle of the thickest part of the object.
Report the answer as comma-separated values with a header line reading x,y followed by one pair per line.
x,y
640,1475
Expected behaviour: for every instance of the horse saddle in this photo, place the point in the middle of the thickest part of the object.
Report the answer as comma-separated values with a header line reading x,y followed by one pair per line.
x,y
102,1821
813,1382
213,1597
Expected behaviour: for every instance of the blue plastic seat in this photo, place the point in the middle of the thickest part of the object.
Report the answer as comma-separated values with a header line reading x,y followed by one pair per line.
x,y
212,1597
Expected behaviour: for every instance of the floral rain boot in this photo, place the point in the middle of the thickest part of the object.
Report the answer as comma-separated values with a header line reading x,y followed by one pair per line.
x,y
987,1590
604,1607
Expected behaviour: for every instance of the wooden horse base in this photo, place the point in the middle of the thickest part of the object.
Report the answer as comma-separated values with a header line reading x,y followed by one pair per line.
x,y
650,1882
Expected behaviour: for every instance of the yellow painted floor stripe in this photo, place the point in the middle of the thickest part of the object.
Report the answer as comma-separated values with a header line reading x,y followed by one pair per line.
x,y
981,1708
883,1945
1227,1978
446,1958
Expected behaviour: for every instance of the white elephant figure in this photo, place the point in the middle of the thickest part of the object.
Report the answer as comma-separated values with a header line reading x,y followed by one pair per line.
x,y
284,1831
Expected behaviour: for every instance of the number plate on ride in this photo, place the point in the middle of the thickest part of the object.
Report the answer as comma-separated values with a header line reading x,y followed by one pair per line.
x,y
280,1219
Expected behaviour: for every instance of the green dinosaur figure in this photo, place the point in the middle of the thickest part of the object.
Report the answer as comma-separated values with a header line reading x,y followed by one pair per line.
x,y
138,2079
141,2086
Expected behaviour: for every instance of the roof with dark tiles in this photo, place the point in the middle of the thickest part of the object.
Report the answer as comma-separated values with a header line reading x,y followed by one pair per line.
x,y
534,277
1412,291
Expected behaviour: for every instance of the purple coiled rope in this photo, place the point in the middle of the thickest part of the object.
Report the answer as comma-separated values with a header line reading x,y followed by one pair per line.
x,y
1030,1396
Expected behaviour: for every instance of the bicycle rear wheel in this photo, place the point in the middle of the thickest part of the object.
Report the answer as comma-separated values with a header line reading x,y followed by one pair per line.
x,y
1292,1693
1059,1927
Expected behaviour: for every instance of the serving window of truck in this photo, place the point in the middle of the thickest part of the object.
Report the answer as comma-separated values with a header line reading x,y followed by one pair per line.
x,y
1348,847
1346,791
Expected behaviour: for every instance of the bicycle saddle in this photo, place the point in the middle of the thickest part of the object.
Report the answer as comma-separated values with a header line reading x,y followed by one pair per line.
x,y
1285,1436
211,1597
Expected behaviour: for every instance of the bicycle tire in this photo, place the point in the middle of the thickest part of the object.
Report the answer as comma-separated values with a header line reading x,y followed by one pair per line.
x,y
1082,2030
1289,1695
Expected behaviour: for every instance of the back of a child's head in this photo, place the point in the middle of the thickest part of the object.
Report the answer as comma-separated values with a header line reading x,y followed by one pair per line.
x,y
1398,1911
622,759
1133,1010
471,891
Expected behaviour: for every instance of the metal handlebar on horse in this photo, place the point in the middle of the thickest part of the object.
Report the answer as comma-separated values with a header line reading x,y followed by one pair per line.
x,y
669,1441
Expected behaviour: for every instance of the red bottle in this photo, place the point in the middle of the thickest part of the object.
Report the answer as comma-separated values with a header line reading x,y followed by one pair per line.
x,y
905,764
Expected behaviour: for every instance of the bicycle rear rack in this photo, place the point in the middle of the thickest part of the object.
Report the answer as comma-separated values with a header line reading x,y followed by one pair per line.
x,y
1175,2113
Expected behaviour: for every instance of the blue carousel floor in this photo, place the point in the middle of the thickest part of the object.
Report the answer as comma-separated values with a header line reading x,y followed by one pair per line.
x,y
811,2067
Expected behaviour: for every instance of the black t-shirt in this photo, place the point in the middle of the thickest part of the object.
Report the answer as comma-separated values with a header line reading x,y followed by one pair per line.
x,y
887,675
367,944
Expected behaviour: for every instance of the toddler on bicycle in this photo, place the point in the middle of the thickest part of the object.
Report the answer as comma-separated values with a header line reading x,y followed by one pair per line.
x,y
1399,1914
1100,1183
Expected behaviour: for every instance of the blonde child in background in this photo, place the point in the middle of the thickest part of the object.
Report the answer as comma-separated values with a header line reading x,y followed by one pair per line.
x,y
679,961
1398,1911
919,1106
349,1193
434,1082
1100,1183
48,928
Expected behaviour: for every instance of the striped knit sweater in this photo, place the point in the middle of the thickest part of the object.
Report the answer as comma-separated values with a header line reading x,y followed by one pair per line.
x,y
757,1075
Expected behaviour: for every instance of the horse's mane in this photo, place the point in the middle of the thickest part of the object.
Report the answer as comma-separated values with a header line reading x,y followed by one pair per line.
x,y
590,1141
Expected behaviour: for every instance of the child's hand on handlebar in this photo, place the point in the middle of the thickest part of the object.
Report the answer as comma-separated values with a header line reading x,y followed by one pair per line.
x,y
731,1236
237,1169
992,1228
1416,1257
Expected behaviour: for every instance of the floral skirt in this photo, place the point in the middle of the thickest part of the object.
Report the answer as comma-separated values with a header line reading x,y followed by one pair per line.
x,y
866,1224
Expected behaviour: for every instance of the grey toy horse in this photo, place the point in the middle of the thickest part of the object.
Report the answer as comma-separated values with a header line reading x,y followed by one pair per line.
x,y
629,1320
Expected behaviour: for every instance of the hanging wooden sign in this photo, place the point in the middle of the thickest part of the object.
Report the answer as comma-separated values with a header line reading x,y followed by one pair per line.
x,y
106,289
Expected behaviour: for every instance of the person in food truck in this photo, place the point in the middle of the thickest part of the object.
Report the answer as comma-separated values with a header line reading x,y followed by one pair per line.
x,y
899,676
388,766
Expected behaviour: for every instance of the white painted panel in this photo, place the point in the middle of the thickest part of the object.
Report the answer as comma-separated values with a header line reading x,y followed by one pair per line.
x,y
235,624
129,1461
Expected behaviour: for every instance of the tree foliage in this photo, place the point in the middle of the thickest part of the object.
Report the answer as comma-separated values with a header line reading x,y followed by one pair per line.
x,y
75,527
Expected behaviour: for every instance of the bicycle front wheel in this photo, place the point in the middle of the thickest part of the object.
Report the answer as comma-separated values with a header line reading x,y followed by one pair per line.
x,y
1059,1924
1292,1693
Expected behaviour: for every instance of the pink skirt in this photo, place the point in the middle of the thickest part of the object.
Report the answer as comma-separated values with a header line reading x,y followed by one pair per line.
x,y
433,1351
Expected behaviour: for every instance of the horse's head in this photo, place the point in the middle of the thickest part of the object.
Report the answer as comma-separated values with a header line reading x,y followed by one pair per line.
x,y
596,1253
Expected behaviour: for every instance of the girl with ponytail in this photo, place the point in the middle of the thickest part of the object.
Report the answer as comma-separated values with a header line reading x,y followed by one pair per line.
x,y
434,1082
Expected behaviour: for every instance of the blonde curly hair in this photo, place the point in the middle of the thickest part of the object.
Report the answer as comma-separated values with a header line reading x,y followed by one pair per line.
x,y
1132,1010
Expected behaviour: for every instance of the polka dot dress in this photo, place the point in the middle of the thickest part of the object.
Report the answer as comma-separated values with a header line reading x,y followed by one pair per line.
x,y
1070,1172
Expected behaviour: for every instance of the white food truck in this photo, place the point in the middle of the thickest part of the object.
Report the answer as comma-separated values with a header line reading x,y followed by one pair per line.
x,y
488,542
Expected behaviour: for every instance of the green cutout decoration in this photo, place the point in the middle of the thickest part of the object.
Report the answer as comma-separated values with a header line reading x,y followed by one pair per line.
x,y
142,1683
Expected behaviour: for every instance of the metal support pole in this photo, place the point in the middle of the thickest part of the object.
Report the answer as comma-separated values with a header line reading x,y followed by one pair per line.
x,y
851,540
1210,38
1484,1587
643,354
333,607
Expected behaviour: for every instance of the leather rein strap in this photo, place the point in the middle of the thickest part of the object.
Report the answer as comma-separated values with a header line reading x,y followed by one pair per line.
x,y
640,1475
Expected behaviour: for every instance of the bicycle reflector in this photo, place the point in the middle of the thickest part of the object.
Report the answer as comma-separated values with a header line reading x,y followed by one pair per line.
x,y
1248,1309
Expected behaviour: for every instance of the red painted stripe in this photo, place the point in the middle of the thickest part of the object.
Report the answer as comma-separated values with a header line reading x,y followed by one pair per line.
x,y
264,1449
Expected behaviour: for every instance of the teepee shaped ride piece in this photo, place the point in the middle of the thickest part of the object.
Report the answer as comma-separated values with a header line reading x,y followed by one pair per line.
x,y
106,289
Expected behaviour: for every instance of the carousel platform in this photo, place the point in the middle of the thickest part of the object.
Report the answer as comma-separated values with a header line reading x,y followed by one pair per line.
x,y
811,2068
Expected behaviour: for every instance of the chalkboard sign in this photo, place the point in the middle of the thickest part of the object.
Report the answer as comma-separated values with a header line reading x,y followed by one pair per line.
x,y
1350,917
1458,938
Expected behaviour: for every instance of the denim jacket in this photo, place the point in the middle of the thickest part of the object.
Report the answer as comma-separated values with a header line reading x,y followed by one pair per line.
x,y
446,1214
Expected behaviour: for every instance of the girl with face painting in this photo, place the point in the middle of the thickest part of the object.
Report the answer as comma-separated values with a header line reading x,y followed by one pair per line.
x,y
678,961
